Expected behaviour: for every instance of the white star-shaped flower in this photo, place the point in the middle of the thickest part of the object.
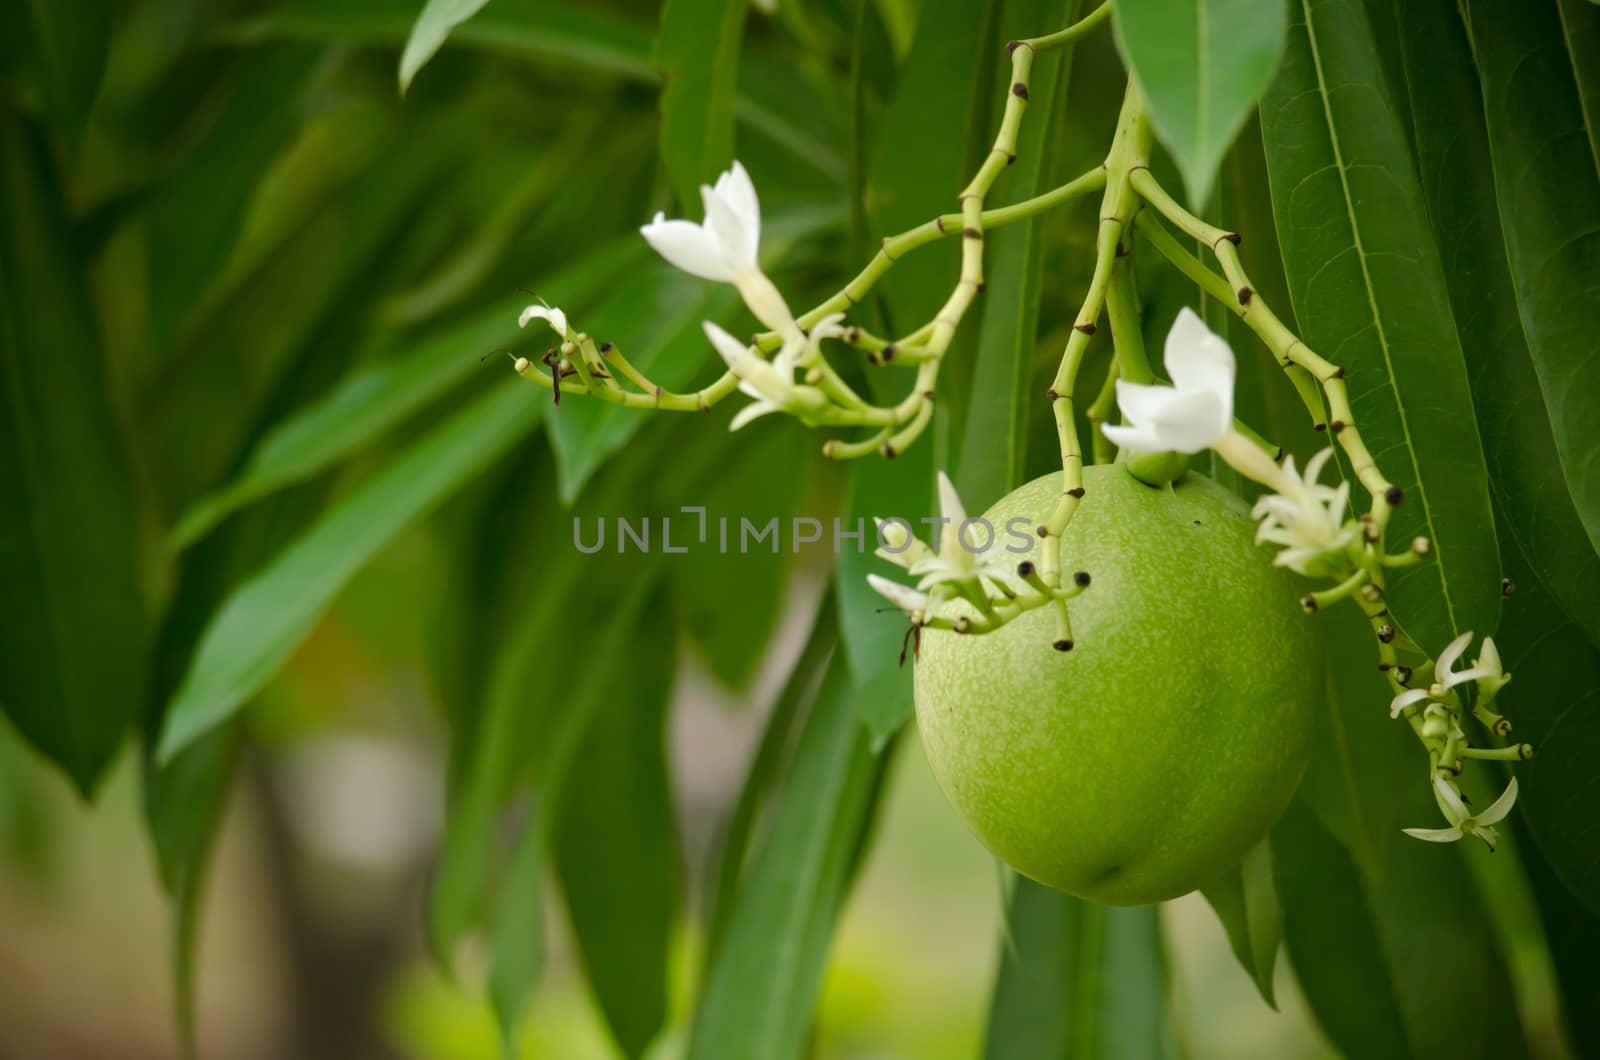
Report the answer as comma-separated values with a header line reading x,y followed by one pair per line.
x,y
549,314
957,560
1446,677
770,383
1307,518
1192,414
723,248
1462,821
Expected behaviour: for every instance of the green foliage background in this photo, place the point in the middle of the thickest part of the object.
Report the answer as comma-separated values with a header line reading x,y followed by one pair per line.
x,y
246,283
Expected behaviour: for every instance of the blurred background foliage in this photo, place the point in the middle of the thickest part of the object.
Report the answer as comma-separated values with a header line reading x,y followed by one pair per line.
x,y
382,766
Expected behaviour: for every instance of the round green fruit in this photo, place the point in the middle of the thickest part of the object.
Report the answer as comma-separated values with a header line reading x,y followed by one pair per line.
x,y
1153,755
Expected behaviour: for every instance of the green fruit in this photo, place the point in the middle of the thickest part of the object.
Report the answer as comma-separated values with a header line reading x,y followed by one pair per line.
x,y
1149,758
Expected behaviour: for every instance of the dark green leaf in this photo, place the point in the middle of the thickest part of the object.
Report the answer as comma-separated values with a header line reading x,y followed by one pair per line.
x,y
1405,966
1554,703
361,408
510,730
1246,901
1369,293
68,41
616,846
438,19
1541,96
73,636
764,981
196,215
1453,153
1078,980
265,620
1366,760
764,478
1202,65
697,52
566,33
1574,936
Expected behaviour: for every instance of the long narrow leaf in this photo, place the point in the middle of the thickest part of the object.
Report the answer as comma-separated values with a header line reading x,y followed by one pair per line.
x,y
265,620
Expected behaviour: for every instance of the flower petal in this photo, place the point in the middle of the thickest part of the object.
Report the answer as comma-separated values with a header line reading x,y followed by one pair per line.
x,y
754,410
723,221
1191,422
1500,807
1405,699
737,190
689,247
1447,658
1135,439
1471,673
1455,811
906,599
1434,835
549,314
736,353
1315,465
1199,360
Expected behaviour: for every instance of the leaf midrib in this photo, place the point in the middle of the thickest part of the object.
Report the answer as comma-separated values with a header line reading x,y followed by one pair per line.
x,y
1372,304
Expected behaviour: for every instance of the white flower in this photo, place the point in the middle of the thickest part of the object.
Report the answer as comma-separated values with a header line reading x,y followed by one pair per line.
x,y
1195,412
723,247
958,559
1462,821
550,315
1492,676
906,599
1446,677
1306,518
771,383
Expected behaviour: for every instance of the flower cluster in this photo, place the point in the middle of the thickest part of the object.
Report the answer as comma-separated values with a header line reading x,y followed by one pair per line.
x,y
1308,520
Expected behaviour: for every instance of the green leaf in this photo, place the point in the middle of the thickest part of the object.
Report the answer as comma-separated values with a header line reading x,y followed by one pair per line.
x,y
1369,293
616,845
763,983
196,215
1078,979
567,36
68,42
73,635
438,19
504,732
1405,966
765,769
366,405
268,616
765,476
1574,936
1539,519
1541,98
697,52
566,33
1367,760
516,947
1202,65
1553,702
1246,901
995,437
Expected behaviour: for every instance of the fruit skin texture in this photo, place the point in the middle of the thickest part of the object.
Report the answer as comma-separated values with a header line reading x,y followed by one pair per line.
x,y
1151,757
